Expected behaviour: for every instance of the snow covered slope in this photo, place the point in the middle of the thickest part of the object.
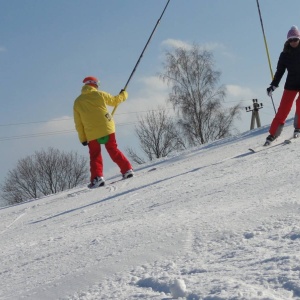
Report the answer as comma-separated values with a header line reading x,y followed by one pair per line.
x,y
216,222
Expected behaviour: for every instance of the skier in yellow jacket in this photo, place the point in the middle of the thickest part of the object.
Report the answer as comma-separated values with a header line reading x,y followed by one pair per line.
x,y
95,126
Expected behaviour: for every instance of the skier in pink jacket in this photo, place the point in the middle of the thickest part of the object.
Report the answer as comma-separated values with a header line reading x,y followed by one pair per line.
x,y
289,60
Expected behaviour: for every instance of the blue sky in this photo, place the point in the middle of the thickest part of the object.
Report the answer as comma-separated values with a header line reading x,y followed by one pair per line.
x,y
48,47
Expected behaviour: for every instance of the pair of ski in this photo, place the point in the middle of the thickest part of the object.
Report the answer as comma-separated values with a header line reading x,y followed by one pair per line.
x,y
275,143
87,189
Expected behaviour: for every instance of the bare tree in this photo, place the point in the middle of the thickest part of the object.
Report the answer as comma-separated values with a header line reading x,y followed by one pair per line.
x,y
44,173
196,97
134,156
157,135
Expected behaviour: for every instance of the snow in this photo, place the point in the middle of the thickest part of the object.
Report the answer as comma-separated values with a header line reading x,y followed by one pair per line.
x,y
215,222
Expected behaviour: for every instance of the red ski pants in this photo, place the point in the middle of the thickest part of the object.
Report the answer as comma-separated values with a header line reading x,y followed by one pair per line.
x,y
284,109
96,162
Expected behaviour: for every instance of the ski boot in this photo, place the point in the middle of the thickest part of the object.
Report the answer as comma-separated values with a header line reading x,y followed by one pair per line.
x,y
269,140
128,174
296,133
98,181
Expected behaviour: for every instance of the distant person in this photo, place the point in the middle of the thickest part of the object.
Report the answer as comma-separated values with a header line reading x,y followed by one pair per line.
x,y
95,126
289,60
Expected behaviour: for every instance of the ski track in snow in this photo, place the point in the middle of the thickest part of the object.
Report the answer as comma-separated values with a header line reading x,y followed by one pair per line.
x,y
14,221
213,223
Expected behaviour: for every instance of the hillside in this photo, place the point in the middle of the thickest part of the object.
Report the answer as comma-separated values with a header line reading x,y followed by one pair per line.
x,y
212,223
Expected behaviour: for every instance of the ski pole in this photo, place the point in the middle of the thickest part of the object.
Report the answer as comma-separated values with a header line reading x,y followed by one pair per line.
x,y
266,46
138,61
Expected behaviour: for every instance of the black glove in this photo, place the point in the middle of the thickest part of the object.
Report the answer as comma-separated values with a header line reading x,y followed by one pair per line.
x,y
270,90
84,143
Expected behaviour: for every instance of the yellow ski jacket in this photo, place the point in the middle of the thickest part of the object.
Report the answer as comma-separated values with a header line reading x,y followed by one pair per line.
x,y
91,117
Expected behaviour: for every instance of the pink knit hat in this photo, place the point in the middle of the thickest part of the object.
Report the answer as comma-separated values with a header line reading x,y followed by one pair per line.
x,y
293,33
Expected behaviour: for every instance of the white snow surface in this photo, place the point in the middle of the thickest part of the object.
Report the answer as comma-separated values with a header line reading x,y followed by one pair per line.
x,y
213,223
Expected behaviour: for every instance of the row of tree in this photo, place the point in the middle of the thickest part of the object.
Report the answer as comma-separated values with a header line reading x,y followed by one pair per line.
x,y
197,101
200,117
43,173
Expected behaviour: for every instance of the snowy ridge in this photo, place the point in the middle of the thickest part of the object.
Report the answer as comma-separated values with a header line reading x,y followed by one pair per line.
x,y
216,222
